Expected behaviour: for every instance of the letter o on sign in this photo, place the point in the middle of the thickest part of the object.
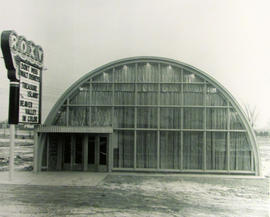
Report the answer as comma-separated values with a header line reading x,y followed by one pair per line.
x,y
23,46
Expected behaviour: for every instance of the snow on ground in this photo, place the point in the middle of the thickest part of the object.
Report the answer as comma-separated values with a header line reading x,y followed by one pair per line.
x,y
264,147
141,195
23,153
201,195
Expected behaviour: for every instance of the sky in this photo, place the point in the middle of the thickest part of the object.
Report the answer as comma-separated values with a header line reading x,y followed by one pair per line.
x,y
229,40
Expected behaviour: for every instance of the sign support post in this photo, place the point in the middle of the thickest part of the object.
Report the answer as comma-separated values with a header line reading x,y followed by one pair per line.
x,y
13,120
11,151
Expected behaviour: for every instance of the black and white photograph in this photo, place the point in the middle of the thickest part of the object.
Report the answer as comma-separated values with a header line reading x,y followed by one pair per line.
x,y
135,108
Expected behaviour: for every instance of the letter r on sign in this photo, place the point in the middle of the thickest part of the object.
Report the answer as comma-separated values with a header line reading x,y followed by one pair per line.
x,y
13,41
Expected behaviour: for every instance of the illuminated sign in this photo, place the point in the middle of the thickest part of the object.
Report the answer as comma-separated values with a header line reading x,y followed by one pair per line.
x,y
24,62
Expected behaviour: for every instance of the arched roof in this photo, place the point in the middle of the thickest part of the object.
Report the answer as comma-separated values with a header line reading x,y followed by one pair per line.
x,y
203,75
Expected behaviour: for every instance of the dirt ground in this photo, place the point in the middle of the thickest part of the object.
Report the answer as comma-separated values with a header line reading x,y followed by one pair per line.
x,y
141,195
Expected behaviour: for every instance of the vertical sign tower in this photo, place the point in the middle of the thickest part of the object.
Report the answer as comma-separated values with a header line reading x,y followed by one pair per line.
x,y
24,63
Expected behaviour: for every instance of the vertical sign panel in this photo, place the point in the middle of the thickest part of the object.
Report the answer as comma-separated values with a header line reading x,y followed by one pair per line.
x,y
29,94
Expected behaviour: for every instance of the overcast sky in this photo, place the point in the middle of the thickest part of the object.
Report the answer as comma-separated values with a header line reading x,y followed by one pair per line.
x,y
228,39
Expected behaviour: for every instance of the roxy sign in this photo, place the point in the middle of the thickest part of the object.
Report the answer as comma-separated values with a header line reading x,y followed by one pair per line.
x,y
24,62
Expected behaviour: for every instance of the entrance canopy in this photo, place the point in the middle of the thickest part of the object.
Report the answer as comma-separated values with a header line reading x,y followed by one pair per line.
x,y
70,129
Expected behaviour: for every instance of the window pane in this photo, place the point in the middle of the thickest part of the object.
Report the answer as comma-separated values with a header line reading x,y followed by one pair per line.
x,y
78,116
193,94
124,150
67,149
147,94
60,118
82,95
214,97
124,94
235,122
53,151
170,118
44,155
101,117
216,150
147,118
123,117
192,150
78,149
101,94
216,118
103,76
103,150
170,94
170,144
193,118
91,149
146,156
125,73
148,72
240,152
190,77
170,73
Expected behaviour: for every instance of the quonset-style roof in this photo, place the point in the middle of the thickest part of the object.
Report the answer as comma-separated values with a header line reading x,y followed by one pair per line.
x,y
141,59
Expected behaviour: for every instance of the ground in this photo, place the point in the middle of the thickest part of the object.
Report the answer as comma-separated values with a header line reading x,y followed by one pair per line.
x,y
141,195
134,194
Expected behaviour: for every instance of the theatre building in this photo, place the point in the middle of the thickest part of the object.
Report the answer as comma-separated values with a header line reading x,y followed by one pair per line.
x,y
147,114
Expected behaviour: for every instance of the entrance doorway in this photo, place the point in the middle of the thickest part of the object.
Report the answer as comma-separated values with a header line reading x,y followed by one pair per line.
x,y
85,152
97,153
73,152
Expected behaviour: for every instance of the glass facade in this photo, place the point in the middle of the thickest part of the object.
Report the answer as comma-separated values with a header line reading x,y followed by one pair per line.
x,y
164,117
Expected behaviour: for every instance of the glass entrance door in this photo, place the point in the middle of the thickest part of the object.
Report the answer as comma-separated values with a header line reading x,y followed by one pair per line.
x,y
73,152
103,145
82,152
67,153
97,153
91,153
77,153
